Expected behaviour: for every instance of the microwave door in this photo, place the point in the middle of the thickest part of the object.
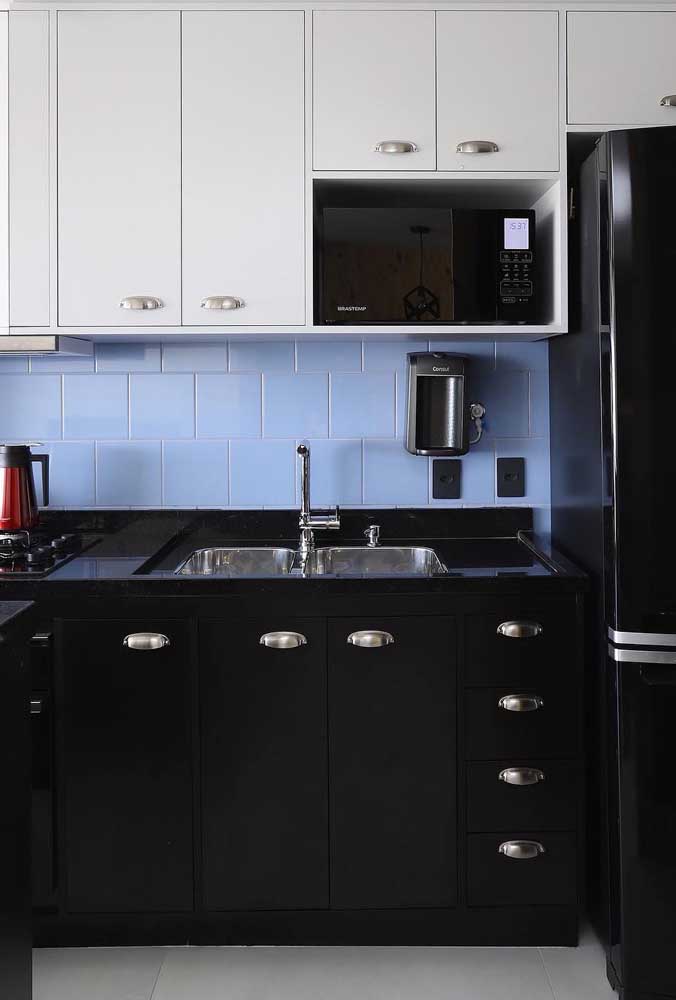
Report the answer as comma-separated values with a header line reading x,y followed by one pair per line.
x,y
473,245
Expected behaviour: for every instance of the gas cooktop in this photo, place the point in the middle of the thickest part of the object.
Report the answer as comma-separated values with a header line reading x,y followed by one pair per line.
x,y
37,553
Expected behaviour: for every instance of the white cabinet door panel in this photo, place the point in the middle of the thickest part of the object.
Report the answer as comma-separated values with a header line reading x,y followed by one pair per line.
x,y
373,81
620,66
119,152
29,258
243,166
498,82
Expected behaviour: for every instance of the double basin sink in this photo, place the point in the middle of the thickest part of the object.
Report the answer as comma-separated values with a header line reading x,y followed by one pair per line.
x,y
383,560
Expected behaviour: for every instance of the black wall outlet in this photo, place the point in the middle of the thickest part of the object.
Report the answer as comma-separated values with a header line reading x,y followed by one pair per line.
x,y
446,478
511,477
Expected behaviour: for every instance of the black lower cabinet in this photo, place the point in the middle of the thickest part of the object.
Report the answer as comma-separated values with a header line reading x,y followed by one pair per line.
x,y
264,764
392,759
124,733
549,877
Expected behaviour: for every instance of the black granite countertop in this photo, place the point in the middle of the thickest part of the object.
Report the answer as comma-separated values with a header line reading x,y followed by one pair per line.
x,y
10,611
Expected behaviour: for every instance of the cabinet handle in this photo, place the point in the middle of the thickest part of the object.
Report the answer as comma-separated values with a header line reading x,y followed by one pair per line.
x,y
521,850
141,302
521,702
36,706
283,640
519,630
222,302
396,146
370,638
521,776
144,641
476,146
669,101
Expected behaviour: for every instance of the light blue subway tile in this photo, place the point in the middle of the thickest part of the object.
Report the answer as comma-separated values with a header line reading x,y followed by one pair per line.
x,y
71,474
478,474
95,406
335,472
62,363
363,405
387,355
480,352
162,406
229,406
295,406
536,453
325,356
128,357
196,473
262,356
262,473
539,404
129,474
523,357
393,476
30,407
194,357
13,365
542,521
505,397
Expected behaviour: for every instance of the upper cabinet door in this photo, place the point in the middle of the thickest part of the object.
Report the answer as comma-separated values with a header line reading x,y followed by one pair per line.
x,y
621,66
119,152
498,93
374,90
243,168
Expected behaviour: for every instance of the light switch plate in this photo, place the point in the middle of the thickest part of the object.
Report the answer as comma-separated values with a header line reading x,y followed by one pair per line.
x,y
511,477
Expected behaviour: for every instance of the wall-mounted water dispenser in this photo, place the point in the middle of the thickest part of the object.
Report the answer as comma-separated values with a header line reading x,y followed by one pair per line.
x,y
440,412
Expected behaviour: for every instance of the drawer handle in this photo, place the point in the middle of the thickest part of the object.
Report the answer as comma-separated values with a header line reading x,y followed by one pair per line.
x,y
141,302
144,641
521,702
283,640
370,638
37,706
396,146
519,630
669,101
222,302
477,146
521,776
521,850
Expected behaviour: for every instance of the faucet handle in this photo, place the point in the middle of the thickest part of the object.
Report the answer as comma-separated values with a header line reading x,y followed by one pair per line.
x,y
372,534
329,518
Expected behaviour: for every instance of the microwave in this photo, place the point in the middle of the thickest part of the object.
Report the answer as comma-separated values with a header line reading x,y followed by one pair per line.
x,y
406,265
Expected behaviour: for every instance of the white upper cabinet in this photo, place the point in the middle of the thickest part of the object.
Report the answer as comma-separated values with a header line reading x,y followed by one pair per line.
x,y
29,169
374,90
243,168
119,154
498,90
621,66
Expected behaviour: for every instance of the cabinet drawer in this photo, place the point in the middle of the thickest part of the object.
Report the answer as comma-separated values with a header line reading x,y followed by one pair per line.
x,y
496,652
496,880
497,803
493,732
620,66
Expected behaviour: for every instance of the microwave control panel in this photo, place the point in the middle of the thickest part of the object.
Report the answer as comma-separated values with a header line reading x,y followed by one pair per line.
x,y
515,280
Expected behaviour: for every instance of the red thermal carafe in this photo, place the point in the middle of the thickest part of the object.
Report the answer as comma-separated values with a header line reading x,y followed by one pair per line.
x,y
18,504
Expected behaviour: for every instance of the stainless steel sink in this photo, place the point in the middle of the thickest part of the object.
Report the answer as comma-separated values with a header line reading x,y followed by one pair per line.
x,y
238,562
382,561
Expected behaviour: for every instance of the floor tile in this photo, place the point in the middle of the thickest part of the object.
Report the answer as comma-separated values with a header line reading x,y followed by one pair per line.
x,y
578,973
346,973
95,973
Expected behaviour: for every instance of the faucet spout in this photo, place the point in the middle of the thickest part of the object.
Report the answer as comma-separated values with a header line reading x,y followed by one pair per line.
x,y
307,521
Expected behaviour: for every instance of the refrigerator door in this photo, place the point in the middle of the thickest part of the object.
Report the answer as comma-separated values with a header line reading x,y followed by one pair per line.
x,y
643,849
641,537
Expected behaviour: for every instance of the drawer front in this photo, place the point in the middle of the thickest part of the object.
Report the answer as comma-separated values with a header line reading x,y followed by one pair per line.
x,y
537,795
494,879
519,648
493,732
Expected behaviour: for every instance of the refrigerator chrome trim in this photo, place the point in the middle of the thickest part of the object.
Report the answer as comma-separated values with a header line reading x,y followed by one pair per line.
x,y
648,639
641,655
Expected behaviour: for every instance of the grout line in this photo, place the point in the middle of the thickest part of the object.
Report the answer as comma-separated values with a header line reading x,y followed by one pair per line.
x,y
157,977
546,971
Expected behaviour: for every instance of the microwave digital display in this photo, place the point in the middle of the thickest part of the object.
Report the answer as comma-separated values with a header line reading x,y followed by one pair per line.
x,y
516,234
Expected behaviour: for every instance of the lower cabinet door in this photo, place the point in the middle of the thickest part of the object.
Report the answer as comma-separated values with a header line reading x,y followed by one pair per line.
x,y
515,869
124,729
264,764
392,760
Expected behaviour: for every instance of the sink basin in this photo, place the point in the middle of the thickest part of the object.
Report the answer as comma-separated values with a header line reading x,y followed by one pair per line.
x,y
382,561
238,562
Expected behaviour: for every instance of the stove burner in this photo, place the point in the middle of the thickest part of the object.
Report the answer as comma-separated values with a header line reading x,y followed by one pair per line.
x,y
30,554
14,543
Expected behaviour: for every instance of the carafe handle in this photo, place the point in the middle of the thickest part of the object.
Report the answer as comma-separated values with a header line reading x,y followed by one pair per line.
x,y
44,462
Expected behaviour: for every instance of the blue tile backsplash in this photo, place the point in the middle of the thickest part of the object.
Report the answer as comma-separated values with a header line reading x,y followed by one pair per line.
x,y
216,425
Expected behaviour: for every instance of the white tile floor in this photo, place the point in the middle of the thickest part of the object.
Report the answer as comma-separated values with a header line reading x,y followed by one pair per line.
x,y
322,973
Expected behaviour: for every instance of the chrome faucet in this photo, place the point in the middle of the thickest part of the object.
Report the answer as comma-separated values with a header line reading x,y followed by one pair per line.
x,y
309,522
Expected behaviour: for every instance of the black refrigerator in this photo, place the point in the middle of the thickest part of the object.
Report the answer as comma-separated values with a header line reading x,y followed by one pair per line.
x,y
613,447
